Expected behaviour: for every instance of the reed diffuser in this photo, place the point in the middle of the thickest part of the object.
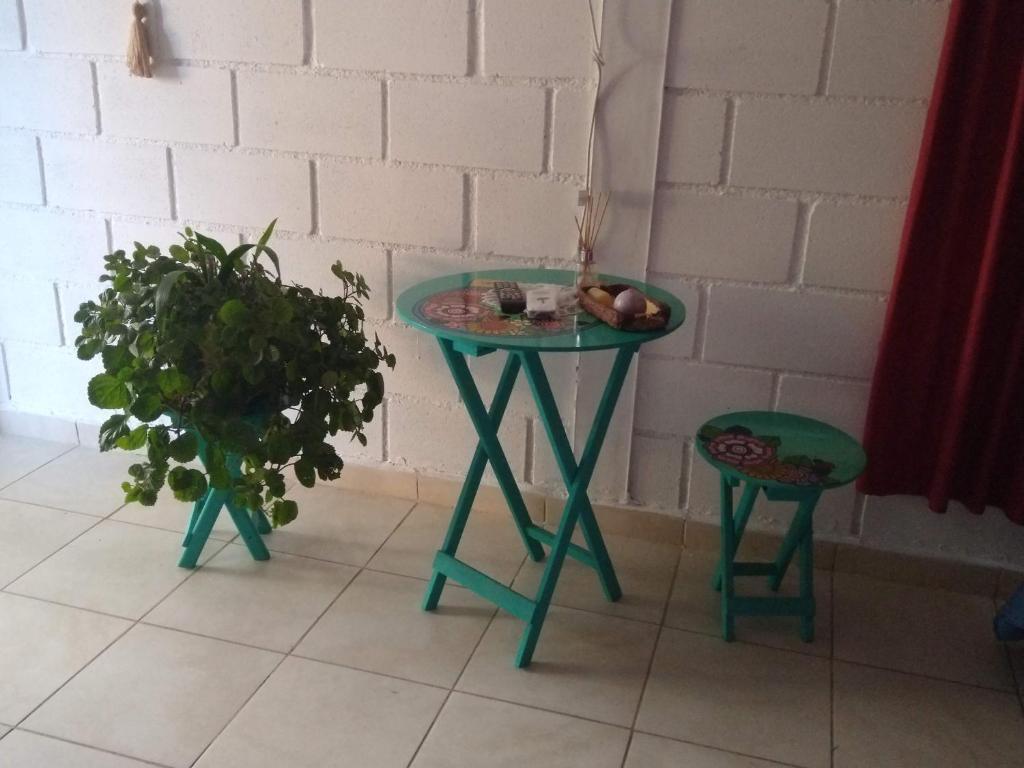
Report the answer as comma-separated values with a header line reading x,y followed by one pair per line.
x,y
588,225
594,207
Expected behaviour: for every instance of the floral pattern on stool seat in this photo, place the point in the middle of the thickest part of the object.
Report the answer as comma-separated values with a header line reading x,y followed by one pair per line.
x,y
758,457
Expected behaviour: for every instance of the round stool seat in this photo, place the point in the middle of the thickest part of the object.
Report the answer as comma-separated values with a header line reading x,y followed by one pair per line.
x,y
783,450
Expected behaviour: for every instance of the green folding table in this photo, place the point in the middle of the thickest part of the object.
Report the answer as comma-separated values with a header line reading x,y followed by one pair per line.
x,y
459,310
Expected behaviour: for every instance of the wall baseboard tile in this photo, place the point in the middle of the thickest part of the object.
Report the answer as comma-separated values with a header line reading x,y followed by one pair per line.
x,y
52,428
697,535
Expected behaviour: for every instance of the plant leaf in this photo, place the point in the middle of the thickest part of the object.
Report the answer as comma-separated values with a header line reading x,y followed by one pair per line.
x,y
106,391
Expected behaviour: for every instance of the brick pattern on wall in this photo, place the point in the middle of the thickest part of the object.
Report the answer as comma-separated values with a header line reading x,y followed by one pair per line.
x,y
405,137
789,138
415,137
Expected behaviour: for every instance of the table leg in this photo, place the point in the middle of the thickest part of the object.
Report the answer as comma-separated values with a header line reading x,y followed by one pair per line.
x,y
486,424
575,504
562,448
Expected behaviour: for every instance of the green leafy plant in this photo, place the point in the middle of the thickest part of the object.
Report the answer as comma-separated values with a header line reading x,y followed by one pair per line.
x,y
207,353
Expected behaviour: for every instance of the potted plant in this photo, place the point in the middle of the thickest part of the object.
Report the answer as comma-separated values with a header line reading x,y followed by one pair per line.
x,y
208,355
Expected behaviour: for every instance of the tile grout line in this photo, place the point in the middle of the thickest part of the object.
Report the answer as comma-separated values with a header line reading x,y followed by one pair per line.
x,y
91,746
458,678
298,642
650,661
18,479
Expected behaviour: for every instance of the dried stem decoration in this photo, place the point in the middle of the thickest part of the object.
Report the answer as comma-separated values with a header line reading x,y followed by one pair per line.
x,y
594,206
140,63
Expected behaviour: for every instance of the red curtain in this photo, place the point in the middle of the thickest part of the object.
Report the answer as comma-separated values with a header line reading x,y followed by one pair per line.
x,y
946,418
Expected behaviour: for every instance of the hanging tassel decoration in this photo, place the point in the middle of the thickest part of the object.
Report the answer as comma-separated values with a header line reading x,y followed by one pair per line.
x,y
139,60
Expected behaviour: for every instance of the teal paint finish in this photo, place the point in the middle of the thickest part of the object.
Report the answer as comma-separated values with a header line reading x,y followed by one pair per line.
x,y
817,457
523,353
206,511
597,336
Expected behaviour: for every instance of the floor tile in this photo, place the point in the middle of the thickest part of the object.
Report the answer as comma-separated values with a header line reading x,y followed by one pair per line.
x,y
585,664
656,752
885,718
644,570
114,567
747,698
491,543
32,533
697,607
21,455
338,525
156,694
377,624
472,731
172,515
291,593
310,715
41,646
915,629
4,729
82,480
22,749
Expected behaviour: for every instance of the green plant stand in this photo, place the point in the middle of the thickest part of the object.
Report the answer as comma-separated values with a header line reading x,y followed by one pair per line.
x,y
787,458
455,310
250,524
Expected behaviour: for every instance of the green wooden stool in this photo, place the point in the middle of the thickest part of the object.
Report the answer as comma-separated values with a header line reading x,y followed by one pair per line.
x,y
789,458
250,524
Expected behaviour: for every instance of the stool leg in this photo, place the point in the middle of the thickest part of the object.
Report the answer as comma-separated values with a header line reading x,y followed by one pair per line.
x,y
801,524
728,536
200,532
259,519
740,524
807,584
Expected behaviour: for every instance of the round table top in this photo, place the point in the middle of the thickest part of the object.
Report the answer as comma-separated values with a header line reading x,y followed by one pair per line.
x,y
450,307
780,450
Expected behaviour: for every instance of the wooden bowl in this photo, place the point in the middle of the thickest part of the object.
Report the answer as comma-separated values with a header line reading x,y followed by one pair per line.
x,y
617,319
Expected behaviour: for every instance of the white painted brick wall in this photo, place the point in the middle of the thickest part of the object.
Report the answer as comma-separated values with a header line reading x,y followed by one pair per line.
x,y
94,176
854,246
20,181
310,114
742,238
243,189
28,310
887,48
827,147
51,246
395,205
692,128
89,26
815,332
308,263
416,137
526,217
677,396
496,127
539,38
572,120
183,103
769,46
422,36
10,26
47,94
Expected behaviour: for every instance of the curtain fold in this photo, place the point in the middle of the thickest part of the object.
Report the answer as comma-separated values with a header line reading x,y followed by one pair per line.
x,y
946,416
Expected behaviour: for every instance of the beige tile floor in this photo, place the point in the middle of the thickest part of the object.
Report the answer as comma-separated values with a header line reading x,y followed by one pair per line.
x,y
112,657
